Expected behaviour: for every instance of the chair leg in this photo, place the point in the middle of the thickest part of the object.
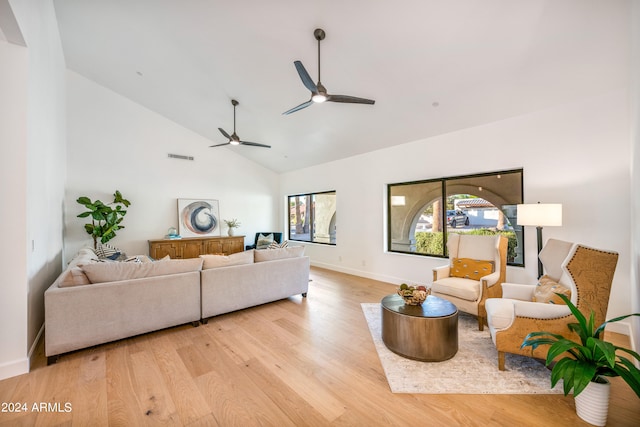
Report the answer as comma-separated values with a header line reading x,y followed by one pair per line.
x,y
480,323
501,360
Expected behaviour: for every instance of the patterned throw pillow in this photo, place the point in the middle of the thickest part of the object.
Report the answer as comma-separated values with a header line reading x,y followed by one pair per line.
x,y
107,251
264,241
468,268
276,245
546,291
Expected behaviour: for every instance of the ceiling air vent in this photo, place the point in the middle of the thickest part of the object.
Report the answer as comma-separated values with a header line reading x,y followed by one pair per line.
x,y
179,156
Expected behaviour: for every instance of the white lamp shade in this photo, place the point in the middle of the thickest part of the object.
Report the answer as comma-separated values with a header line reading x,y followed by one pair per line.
x,y
540,214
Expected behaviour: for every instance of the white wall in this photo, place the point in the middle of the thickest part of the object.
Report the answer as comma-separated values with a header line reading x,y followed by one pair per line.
x,y
635,175
576,154
115,143
13,188
35,161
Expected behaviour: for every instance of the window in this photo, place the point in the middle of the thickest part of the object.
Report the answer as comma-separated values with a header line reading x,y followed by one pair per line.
x,y
422,214
312,217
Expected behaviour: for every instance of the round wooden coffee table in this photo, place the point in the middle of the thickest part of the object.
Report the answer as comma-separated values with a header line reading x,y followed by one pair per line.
x,y
427,332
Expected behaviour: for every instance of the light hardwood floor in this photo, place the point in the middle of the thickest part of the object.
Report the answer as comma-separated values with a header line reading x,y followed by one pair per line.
x,y
295,362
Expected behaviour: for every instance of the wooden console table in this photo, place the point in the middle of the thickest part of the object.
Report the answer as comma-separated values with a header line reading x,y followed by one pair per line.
x,y
192,247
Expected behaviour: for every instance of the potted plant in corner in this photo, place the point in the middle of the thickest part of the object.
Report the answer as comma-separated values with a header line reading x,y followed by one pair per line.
x,y
584,365
232,223
105,218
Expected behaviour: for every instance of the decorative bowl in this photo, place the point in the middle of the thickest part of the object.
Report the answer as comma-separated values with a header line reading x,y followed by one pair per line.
x,y
413,295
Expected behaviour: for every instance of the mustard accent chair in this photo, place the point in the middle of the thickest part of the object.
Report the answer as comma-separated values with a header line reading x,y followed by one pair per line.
x,y
586,271
469,294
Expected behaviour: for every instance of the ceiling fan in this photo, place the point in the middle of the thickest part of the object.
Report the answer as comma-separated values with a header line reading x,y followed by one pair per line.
x,y
234,139
318,91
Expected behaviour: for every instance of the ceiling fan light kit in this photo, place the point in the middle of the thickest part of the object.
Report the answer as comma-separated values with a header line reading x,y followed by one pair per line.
x,y
319,93
234,139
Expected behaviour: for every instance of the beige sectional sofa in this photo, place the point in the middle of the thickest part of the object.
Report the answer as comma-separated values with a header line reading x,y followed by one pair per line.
x,y
93,303
252,278
80,314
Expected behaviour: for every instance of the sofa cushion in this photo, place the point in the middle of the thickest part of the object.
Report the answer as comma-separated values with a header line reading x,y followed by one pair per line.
x,y
117,271
263,241
281,253
466,289
215,261
73,276
546,291
468,268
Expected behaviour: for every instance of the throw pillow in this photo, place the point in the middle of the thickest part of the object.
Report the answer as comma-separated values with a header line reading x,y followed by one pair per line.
x,y
107,251
280,253
264,241
101,272
215,261
276,245
546,291
468,268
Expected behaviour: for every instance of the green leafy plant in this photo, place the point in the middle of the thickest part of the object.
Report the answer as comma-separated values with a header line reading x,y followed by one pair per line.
x,y
588,359
232,223
105,218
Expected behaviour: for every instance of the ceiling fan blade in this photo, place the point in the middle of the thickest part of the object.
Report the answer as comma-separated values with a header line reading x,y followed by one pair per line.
x,y
220,145
304,76
349,99
226,135
254,144
299,107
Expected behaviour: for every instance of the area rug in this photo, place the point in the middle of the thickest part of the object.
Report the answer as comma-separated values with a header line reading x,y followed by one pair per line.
x,y
473,370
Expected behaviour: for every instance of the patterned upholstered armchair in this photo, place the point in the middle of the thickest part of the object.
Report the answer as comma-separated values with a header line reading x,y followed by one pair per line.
x,y
475,272
586,272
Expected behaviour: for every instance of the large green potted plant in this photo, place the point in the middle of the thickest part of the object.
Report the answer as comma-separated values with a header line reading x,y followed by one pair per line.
x,y
105,217
583,365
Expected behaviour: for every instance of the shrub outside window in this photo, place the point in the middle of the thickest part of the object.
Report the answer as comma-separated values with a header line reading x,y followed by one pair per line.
x,y
422,214
312,217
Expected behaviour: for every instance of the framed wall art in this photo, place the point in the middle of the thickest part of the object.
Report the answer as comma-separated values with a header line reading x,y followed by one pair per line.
x,y
198,217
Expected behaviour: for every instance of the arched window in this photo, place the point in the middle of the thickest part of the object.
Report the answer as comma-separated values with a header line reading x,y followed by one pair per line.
x,y
422,214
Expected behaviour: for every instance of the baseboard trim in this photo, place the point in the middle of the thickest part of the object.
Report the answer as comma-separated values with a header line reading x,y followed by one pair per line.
x,y
14,368
361,273
34,346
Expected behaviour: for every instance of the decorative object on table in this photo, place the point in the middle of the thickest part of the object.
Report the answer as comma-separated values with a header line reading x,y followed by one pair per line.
x,y
105,218
232,223
540,215
198,217
172,233
586,363
413,295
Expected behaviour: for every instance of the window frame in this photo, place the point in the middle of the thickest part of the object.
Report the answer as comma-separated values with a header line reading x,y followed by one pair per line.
x,y
518,230
312,225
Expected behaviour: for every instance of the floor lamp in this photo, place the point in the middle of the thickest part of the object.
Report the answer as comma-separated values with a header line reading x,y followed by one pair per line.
x,y
540,215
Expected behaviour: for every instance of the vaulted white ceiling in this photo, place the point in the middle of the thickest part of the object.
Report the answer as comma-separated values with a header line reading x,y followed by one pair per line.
x,y
432,66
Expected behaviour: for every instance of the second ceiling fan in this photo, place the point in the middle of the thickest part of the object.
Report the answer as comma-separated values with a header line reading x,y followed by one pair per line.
x,y
318,91
234,139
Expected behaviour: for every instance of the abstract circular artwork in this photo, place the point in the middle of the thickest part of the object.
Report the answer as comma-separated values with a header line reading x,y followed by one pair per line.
x,y
198,217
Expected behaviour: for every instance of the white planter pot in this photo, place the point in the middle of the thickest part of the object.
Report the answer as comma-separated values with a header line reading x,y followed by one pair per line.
x,y
230,232
592,405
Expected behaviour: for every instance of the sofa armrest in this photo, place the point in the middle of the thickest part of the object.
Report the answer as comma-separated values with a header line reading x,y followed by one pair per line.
x,y
540,310
441,272
491,279
518,291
